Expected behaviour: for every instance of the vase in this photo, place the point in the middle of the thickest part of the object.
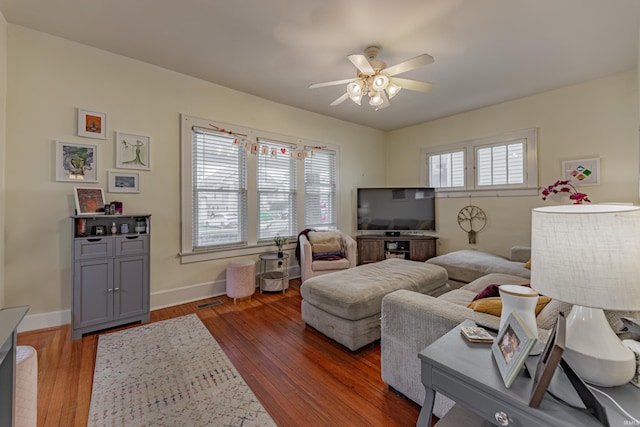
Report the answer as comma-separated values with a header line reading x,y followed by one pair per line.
x,y
521,299
280,254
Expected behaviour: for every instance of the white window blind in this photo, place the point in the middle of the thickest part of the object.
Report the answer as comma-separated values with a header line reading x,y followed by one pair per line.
x,y
219,190
501,164
320,172
277,191
446,170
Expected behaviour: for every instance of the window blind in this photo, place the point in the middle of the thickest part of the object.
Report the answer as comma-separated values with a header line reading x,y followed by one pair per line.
x,y
501,164
277,191
219,190
320,171
446,170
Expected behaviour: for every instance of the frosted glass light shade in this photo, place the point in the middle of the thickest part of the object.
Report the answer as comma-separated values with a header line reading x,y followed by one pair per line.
x,y
588,255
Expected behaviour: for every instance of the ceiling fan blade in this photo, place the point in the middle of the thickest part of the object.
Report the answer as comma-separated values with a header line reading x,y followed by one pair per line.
x,y
412,84
403,67
340,100
362,63
333,83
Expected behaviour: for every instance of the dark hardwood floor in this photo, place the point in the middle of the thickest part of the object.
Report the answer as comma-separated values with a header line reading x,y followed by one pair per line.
x,y
300,376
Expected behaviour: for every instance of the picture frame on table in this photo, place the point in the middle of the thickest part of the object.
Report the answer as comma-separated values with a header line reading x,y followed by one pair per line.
x,y
76,162
582,172
512,347
92,124
133,151
89,200
548,361
123,182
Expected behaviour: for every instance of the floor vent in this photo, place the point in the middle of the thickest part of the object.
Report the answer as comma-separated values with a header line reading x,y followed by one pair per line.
x,y
208,304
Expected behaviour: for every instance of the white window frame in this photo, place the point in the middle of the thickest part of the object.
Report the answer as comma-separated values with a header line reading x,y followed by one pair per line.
x,y
187,253
530,166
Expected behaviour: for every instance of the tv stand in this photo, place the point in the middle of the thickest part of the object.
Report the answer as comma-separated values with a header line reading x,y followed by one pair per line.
x,y
375,248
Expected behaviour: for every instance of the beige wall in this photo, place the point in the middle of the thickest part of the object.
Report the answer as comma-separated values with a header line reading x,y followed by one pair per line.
x,y
49,78
594,119
3,102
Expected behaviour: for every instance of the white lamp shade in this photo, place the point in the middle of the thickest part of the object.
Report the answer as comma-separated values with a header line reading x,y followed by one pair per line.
x,y
587,255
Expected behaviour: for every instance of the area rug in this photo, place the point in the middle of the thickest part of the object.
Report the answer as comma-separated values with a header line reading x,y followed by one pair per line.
x,y
169,373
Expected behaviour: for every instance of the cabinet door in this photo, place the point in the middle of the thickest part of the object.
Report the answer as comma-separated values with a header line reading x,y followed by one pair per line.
x,y
422,250
92,292
370,251
131,286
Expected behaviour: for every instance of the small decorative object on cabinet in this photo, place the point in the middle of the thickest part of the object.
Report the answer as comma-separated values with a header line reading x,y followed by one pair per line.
x,y
110,282
374,248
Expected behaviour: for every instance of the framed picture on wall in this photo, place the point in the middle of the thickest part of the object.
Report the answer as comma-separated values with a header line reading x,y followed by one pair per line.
x,y
133,151
92,124
123,182
582,172
76,162
89,200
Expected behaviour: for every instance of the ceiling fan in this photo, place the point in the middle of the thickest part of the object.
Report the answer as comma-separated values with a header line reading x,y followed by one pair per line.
x,y
378,81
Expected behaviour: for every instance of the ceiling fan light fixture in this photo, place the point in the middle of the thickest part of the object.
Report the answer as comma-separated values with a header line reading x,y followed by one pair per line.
x,y
380,82
392,89
376,100
355,88
356,98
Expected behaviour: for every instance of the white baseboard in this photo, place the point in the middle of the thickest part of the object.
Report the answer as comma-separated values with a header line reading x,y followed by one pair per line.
x,y
160,299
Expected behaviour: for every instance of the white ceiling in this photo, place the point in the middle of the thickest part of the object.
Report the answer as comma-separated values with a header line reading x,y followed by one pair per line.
x,y
486,51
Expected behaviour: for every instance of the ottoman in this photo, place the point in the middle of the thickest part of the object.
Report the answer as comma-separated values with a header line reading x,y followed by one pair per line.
x,y
26,397
241,279
345,305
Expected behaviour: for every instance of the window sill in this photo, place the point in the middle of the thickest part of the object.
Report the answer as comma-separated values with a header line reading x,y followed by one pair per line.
x,y
214,254
488,193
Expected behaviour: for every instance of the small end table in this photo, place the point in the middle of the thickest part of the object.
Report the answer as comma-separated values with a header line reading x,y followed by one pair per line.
x,y
466,373
268,259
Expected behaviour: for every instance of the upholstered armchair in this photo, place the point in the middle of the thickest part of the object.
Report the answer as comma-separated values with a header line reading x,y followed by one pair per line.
x,y
317,253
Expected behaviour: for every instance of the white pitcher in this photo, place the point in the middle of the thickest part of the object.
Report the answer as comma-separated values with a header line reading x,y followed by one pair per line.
x,y
522,299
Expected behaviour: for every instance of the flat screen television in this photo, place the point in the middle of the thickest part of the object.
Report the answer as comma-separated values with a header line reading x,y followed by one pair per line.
x,y
396,209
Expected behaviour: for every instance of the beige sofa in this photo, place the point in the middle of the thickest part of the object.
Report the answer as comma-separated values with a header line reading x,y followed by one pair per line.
x,y
412,321
465,266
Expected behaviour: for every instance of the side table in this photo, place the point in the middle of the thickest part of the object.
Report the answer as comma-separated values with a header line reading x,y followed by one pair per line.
x,y
466,373
9,320
279,276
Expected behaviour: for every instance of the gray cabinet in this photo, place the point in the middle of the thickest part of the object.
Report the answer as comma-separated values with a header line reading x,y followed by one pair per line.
x,y
110,274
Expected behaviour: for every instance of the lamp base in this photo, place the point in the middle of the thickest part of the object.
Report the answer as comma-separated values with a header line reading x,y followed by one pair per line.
x,y
594,351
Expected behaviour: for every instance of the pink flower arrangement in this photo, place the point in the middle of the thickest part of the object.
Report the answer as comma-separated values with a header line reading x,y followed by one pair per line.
x,y
566,187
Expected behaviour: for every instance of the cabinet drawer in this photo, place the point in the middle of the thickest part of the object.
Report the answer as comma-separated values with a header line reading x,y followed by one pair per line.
x,y
135,244
482,403
93,247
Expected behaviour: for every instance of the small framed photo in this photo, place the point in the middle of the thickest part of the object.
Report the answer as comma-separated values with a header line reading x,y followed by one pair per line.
x,y
133,151
582,172
548,361
92,124
512,347
76,162
89,200
123,182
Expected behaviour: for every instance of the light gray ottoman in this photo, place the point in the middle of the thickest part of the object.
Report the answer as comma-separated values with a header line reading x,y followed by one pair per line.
x,y
345,305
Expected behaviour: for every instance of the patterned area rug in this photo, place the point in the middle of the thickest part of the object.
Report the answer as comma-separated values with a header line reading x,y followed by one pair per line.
x,y
170,373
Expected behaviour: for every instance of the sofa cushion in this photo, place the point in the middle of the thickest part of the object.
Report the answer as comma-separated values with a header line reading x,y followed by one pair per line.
x,y
357,292
468,265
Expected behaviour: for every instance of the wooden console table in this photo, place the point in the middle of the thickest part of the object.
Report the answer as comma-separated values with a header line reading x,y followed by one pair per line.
x,y
9,320
375,248
466,373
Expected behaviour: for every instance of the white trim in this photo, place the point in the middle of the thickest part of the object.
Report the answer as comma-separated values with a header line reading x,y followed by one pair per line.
x,y
158,300
528,188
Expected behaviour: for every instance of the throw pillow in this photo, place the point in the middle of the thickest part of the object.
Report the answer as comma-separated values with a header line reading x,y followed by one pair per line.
x,y
325,241
528,265
493,305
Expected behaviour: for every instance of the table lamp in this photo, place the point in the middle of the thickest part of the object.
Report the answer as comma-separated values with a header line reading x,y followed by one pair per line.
x,y
589,256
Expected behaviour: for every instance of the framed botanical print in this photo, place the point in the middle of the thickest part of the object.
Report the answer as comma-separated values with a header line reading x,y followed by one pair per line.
x,y
133,151
76,162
